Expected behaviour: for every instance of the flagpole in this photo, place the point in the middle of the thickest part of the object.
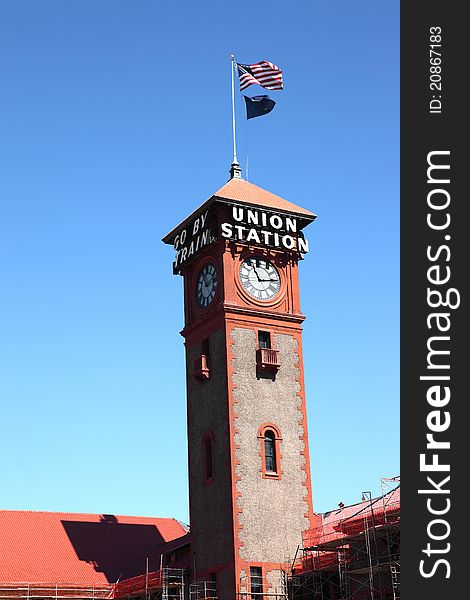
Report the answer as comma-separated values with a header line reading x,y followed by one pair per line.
x,y
235,170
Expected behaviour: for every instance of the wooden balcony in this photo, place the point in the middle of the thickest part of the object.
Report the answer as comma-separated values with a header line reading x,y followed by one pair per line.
x,y
268,359
201,368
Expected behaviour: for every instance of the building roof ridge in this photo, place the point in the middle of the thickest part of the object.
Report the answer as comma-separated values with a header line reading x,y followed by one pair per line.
x,y
87,514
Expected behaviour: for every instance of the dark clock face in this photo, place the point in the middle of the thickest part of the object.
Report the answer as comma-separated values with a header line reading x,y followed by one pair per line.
x,y
260,278
206,285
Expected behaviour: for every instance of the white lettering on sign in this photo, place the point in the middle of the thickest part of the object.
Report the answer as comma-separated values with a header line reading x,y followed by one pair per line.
x,y
190,240
250,225
281,231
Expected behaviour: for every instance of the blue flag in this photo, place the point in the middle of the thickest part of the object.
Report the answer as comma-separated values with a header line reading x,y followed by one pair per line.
x,y
258,106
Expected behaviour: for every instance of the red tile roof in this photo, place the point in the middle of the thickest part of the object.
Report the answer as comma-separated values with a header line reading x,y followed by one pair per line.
x,y
349,520
243,191
377,507
239,190
79,548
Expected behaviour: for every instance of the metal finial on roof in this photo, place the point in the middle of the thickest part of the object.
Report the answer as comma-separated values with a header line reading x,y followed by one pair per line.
x,y
235,171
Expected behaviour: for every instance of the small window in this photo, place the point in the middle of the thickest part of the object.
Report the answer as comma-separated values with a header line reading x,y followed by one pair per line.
x,y
205,347
270,439
256,582
209,457
270,451
264,339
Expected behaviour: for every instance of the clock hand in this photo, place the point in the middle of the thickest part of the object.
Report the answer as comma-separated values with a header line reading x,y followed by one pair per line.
x,y
259,279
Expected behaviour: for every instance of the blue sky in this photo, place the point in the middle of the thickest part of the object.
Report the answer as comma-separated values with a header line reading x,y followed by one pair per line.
x,y
115,124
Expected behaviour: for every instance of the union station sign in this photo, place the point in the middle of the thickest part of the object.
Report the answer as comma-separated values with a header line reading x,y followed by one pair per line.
x,y
247,225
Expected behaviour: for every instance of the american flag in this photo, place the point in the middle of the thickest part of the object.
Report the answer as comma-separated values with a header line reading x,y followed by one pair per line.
x,y
264,73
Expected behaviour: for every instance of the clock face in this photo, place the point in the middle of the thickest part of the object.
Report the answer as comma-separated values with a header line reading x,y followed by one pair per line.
x,y
206,285
260,278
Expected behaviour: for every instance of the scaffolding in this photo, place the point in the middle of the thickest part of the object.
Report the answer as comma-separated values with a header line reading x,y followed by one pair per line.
x,y
165,584
54,591
393,533
203,590
354,554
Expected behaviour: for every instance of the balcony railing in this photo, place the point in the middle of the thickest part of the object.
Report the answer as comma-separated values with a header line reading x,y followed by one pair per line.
x,y
203,590
267,358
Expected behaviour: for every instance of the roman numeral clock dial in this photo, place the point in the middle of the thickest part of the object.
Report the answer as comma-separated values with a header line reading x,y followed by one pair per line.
x,y
260,278
206,285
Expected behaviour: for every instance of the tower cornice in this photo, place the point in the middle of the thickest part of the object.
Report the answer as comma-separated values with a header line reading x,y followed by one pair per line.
x,y
228,311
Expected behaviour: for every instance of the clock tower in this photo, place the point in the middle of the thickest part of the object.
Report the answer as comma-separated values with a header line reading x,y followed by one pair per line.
x,y
249,471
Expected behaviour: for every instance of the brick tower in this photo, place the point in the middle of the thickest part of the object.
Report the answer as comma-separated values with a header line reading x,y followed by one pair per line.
x,y
249,472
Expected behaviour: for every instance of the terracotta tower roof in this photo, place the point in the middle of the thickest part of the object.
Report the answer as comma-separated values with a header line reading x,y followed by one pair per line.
x,y
243,191
239,190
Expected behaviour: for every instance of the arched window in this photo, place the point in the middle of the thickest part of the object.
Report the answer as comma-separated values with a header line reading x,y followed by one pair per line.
x,y
270,450
208,450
